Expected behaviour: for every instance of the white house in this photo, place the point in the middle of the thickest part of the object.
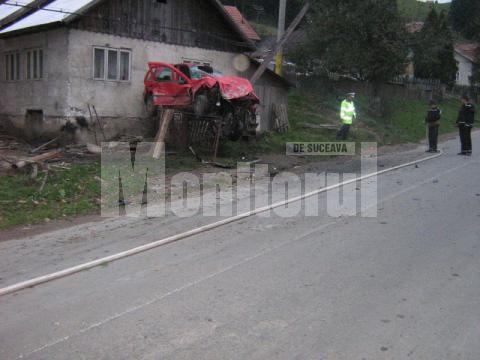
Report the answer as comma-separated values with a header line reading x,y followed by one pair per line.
x,y
465,55
57,57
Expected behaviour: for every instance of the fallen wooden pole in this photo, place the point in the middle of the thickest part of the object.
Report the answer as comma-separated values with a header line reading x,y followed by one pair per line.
x,y
36,159
159,147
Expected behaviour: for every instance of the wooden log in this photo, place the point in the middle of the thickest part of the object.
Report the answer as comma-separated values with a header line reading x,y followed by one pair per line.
x,y
36,159
159,147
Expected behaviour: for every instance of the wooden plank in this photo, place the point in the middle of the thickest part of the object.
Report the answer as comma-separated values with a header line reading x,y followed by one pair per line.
x,y
159,147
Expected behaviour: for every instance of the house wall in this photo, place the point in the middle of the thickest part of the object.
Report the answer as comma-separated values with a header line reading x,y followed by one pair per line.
x,y
121,103
181,22
465,69
49,94
68,86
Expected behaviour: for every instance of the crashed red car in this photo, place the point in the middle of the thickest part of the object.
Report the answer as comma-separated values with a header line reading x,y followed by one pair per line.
x,y
203,91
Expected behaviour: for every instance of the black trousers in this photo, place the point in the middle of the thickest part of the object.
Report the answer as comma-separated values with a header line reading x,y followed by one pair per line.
x,y
465,138
343,133
433,137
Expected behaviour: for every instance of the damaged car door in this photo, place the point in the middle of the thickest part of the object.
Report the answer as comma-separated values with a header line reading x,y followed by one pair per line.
x,y
168,86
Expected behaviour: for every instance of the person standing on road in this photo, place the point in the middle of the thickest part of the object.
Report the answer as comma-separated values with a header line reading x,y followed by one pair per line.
x,y
347,115
466,118
433,122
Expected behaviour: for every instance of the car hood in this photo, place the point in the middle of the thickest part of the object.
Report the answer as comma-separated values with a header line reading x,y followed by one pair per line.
x,y
233,87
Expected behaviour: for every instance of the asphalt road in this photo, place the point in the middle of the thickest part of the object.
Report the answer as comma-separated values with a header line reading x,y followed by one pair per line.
x,y
405,284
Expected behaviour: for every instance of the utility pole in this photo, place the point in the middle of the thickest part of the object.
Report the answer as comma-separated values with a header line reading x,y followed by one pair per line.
x,y
280,32
279,45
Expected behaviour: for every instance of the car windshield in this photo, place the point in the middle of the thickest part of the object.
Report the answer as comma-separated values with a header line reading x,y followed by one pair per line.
x,y
198,72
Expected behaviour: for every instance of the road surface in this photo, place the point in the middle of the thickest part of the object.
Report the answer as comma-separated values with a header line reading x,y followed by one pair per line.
x,y
402,285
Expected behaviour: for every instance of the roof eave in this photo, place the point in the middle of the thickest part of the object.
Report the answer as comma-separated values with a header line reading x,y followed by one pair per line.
x,y
32,29
249,43
464,56
274,74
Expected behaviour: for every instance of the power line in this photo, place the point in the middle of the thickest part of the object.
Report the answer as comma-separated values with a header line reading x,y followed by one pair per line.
x,y
133,23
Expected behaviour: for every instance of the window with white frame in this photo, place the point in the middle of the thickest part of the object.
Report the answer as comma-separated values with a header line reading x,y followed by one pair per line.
x,y
12,66
34,64
111,64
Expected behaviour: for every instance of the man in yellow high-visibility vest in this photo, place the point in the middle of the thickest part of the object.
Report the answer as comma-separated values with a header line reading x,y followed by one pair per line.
x,y
347,115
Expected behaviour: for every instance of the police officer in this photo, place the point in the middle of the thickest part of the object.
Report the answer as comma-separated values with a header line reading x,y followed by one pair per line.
x,y
347,114
466,118
433,122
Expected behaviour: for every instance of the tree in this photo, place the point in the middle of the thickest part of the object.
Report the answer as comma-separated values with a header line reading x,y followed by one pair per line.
x,y
465,17
434,56
361,38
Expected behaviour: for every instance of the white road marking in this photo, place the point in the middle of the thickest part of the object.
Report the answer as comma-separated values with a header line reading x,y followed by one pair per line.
x,y
224,270
175,291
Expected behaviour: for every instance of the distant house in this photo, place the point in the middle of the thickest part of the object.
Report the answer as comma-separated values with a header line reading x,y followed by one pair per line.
x,y
58,59
465,55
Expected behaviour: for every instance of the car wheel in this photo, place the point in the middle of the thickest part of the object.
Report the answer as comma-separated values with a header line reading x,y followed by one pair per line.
x,y
150,106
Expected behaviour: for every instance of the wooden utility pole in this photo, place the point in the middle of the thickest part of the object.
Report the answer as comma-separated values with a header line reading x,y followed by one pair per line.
x,y
280,44
280,32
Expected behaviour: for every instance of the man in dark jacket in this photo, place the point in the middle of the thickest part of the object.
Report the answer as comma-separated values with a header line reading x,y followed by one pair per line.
x,y
433,122
466,118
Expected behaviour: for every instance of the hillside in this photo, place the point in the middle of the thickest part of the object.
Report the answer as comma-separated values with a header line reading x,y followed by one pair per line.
x,y
413,10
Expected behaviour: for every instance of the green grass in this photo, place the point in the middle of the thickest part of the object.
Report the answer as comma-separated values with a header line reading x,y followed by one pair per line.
x,y
72,192
76,191
414,10
66,193
404,124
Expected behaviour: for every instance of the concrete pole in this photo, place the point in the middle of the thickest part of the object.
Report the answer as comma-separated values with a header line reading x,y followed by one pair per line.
x,y
280,32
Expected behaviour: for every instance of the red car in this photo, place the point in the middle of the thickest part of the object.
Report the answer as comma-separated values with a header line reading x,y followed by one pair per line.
x,y
205,92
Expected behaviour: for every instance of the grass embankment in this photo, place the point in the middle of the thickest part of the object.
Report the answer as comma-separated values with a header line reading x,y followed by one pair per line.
x,y
66,193
404,124
414,10
76,191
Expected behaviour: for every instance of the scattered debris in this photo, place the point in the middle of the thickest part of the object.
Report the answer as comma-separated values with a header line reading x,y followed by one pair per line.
x,y
319,126
94,149
43,182
213,163
43,146
100,125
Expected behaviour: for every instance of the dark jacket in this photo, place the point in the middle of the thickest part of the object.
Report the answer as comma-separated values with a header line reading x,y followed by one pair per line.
x,y
433,116
466,116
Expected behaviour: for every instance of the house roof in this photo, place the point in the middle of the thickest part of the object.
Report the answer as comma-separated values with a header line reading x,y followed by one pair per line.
x,y
59,11
11,10
414,26
242,23
8,8
468,51
64,11
272,73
